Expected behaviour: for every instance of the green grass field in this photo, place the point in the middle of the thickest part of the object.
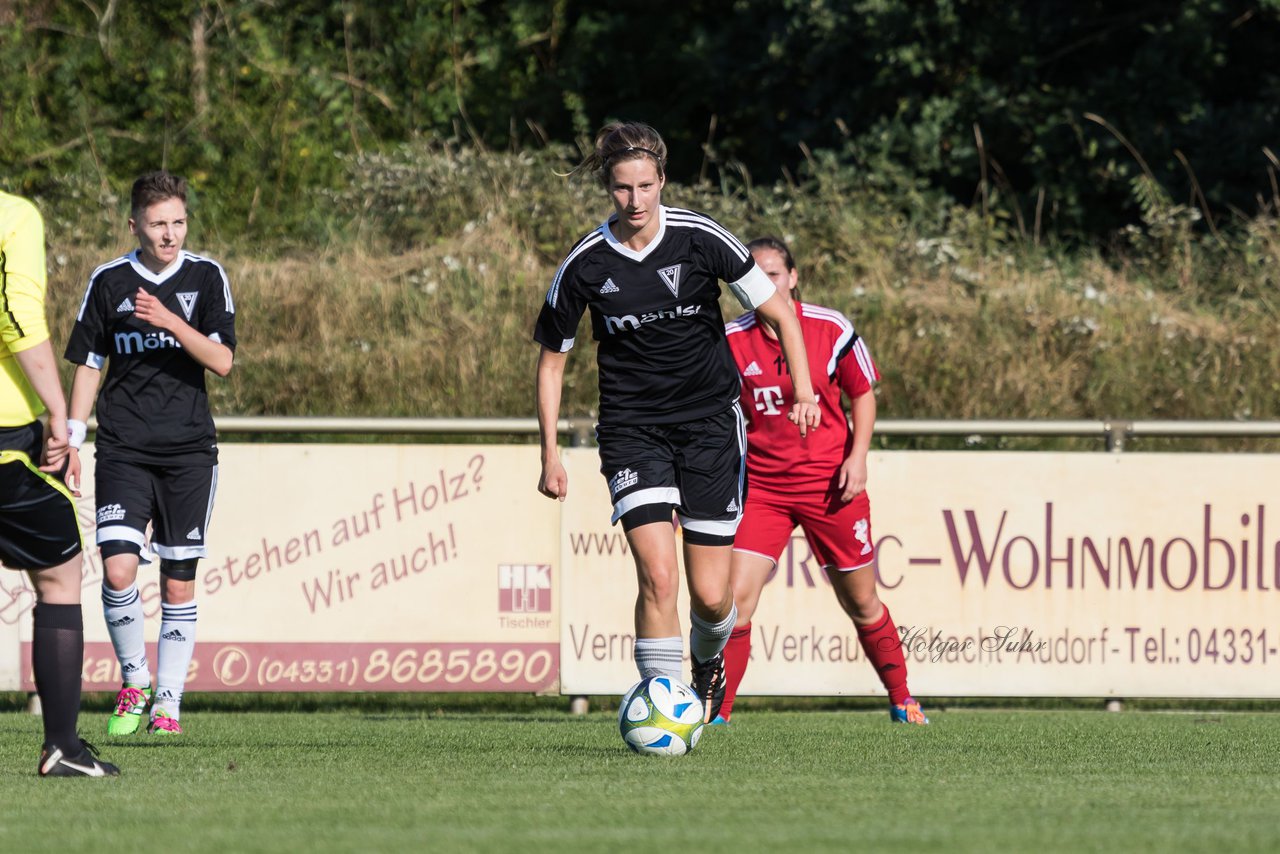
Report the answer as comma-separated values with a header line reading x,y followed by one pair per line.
x,y
429,779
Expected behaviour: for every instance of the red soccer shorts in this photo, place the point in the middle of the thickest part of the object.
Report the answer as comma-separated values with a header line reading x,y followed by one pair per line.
x,y
838,533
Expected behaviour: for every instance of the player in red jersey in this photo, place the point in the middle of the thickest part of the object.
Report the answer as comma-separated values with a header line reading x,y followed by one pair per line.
x,y
818,483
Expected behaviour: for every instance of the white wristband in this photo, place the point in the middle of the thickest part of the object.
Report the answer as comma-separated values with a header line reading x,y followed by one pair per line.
x,y
76,431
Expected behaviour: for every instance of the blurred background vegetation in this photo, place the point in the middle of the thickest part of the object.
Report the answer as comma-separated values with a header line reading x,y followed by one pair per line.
x,y
1035,209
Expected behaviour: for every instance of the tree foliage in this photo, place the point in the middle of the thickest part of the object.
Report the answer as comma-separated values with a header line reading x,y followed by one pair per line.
x,y
1039,113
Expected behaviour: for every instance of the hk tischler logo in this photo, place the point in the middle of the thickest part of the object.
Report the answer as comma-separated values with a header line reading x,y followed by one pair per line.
x,y
524,588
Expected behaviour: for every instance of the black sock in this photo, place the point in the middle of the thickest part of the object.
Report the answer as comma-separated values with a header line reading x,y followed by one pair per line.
x,y
57,655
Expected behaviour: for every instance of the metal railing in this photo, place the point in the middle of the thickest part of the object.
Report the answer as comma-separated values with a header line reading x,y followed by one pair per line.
x,y
1115,433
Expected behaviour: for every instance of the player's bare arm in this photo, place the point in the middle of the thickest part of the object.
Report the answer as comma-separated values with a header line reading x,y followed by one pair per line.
x,y
554,481
40,367
209,353
775,312
853,471
84,388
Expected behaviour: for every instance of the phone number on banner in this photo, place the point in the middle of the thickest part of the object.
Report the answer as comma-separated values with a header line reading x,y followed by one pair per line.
x,y
379,667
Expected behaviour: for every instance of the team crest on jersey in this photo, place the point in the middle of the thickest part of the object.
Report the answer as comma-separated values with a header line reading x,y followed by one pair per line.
x,y
188,301
671,277
609,287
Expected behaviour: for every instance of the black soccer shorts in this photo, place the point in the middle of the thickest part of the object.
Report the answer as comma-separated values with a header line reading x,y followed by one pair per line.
x,y
697,468
38,523
176,500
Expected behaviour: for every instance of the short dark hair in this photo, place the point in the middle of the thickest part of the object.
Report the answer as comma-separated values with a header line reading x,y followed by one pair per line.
x,y
156,187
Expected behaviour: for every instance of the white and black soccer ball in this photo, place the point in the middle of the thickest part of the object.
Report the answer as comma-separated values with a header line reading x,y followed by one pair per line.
x,y
660,716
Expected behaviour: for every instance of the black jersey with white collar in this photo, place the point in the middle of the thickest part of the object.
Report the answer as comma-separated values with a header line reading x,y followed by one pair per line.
x,y
655,315
153,406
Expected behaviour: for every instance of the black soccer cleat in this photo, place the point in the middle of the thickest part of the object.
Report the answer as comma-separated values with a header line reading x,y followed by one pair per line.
x,y
709,684
82,762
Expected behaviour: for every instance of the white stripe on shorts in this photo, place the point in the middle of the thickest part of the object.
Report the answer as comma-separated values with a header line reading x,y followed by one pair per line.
x,y
120,532
641,497
718,529
179,552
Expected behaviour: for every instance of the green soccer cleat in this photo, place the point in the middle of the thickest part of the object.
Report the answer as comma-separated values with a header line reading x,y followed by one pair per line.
x,y
162,724
131,705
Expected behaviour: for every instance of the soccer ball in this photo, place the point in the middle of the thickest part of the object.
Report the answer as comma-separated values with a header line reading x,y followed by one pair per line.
x,y
660,716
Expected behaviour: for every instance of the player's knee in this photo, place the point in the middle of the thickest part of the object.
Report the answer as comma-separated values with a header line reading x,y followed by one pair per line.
x,y
864,607
120,563
179,570
58,585
659,585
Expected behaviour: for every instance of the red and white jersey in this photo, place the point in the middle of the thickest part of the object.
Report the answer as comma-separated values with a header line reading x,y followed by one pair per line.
x,y
838,361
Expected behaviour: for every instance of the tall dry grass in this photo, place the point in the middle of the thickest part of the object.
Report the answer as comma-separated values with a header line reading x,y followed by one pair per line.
x,y
415,315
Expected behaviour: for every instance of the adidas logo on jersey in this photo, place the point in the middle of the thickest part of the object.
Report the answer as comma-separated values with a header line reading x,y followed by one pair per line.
x,y
174,635
753,370
610,288
194,533
671,278
125,307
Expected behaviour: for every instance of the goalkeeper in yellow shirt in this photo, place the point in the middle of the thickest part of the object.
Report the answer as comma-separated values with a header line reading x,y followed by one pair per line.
x,y
39,530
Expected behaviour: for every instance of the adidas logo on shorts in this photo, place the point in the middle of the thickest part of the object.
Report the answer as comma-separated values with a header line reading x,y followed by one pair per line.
x,y
733,506
193,534
753,370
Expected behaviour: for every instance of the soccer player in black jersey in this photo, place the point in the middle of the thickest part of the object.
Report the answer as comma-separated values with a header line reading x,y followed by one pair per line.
x,y
157,318
671,435
39,531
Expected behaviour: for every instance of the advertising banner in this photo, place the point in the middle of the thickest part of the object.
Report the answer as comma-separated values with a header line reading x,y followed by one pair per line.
x,y
353,568
440,568
1007,574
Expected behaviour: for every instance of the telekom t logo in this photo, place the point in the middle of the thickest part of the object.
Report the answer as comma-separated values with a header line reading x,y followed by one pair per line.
x,y
524,588
768,399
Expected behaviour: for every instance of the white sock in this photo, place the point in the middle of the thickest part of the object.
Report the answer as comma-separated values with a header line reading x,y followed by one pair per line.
x,y
659,657
123,611
707,639
177,643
